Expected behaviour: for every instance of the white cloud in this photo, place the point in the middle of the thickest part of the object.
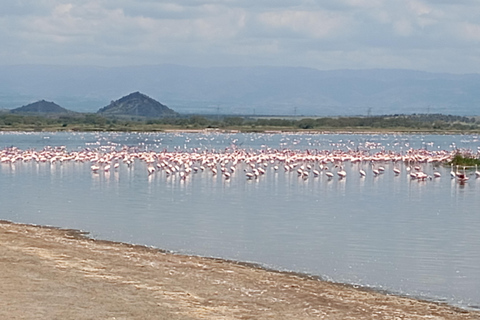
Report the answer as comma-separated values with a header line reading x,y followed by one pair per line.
x,y
316,24
470,32
367,4
322,34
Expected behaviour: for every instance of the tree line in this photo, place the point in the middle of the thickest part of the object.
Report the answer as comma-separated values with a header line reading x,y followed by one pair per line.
x,y
433,122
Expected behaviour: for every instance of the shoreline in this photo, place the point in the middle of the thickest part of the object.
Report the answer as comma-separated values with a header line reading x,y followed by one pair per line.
x,y
51,272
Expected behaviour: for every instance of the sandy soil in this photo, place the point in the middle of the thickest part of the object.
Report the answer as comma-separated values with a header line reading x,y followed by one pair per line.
x,y
49,273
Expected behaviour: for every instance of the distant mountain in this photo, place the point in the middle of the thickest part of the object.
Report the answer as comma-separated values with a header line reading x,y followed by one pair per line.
x,y
41,107
138,105
247,90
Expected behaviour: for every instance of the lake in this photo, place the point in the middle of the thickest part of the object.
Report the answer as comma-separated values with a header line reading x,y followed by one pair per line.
x,y
390,232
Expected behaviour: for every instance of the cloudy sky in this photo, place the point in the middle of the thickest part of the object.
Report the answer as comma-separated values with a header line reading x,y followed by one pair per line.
x,y
429,35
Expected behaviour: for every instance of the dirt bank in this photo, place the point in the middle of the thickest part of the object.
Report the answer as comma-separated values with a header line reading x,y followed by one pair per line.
x,y
48,273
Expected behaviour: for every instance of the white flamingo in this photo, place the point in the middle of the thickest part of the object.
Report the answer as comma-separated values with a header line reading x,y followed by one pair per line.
x,y
329,174
452,173
341,173
375,171
150,170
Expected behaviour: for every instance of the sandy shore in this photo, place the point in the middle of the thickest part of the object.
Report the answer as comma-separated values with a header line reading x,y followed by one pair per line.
x,y
49,273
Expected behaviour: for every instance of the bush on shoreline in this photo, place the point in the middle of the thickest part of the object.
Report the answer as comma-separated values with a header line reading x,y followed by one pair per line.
x,y
465,160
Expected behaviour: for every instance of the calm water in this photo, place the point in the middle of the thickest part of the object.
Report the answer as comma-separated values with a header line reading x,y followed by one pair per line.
x,y
418,238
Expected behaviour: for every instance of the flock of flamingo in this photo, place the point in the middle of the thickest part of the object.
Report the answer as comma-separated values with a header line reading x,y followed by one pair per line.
x,y
308,163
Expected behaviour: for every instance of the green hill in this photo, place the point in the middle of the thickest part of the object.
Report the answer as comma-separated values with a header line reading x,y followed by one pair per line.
x,y
138,105
41,107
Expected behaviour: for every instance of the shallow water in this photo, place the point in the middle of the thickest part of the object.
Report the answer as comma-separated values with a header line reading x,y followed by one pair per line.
x,y
389,232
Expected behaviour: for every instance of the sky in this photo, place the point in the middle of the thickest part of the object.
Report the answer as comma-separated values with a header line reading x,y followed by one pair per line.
x,y
427,35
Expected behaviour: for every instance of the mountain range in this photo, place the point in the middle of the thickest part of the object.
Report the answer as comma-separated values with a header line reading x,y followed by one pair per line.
x,y
246,90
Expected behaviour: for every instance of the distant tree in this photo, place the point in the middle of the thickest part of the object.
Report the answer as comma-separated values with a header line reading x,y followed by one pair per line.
x,y
198,121
233,121
306,123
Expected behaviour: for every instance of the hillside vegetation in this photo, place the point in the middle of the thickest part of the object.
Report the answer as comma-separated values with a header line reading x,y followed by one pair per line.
x,y
435,123
41,107
138,105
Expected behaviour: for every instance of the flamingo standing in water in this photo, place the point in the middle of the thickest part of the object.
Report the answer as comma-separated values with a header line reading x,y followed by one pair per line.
x,y
396,171
421,175
462,177
362,173
452,173
249,175
150,170
329,174
341,173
